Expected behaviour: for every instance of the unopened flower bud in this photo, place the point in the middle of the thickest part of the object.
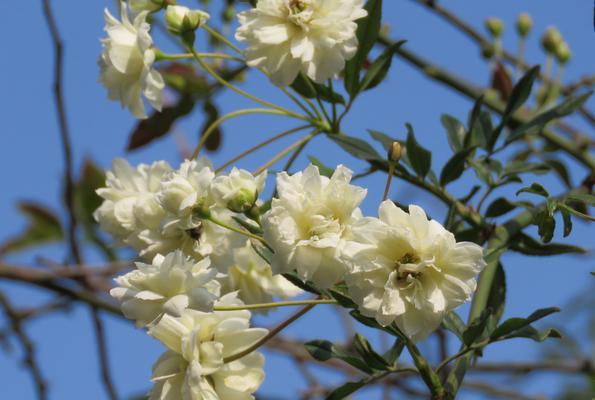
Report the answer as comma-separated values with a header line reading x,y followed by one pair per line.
x,y
550,39
495,26
181,20
229,14
562,52
487,51
524,24
394,153
243,200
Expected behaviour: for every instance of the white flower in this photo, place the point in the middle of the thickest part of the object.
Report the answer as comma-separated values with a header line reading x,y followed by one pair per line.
x,y
238,190
185,195
126,63
130,203
145,5
252,277
193,368
309,224
180,19
311,36
410,270
168,285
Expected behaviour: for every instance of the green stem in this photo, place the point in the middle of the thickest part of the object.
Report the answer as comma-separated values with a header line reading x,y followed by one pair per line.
x,y
237,230
159,55
429,376
259,146
272,333
207,133
283,153
334,122
222,39
274,305
236,89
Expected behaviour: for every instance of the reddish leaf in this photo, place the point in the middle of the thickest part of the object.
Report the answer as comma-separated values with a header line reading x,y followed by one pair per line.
x,y
501,81
212,114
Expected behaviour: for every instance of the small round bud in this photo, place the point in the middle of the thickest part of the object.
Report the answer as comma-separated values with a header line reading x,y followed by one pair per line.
x,y
487,51
524,24
394,153
563,53
243,201
181,20
550,39
229,14
495,26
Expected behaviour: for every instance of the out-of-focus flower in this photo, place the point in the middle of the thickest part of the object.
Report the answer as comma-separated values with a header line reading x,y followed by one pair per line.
x,y
168,285
197,342
311,36
126,63
410,270
309,223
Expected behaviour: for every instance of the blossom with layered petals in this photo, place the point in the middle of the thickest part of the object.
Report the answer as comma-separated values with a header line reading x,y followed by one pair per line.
x,y
309,223
410,270
239,189
126,63
130,201
253,278
186,194
193,368
168,285
286,37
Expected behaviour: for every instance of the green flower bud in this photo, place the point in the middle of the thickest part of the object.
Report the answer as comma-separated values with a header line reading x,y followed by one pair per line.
x,y
487,51
394,153
181,20
550,39
563,53
524,24
495,26
243,201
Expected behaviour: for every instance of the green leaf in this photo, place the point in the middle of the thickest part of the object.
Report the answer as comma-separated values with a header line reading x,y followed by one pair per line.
x,y
546,224
342,299
365,350
310,89
482,171
535,188
356,147
525,244
392,355
567,221
420,158
379,68
44,227
367,33
86,199
480,126
477,329
455,167
346,389
513,325
455,131
520,167
567,107
323,169
499,207
531,333
323,350
575,212
454,323
382,138
250,226
307,286
497,296
518,97
371,322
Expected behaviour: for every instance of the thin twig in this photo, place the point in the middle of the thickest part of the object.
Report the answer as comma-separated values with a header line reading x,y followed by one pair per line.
x,y
69,189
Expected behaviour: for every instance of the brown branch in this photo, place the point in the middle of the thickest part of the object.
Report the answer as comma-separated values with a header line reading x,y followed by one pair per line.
x,y
498,392
30,359
562,366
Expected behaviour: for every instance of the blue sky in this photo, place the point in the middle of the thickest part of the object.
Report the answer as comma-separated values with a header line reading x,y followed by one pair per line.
x,y
31,165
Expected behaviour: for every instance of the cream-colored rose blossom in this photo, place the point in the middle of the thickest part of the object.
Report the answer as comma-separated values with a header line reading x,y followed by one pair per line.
x,y
186,194
180,19
239,189
309,224
130,201
252,277
287,37
168,285
410,270
126,63
193,367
